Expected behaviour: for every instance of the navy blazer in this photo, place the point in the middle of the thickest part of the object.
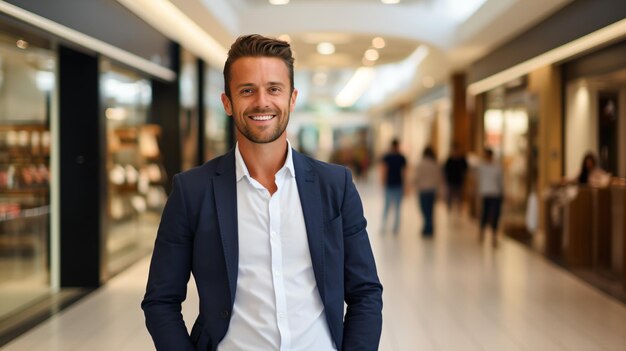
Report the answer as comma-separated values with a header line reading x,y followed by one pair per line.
x,y
198,234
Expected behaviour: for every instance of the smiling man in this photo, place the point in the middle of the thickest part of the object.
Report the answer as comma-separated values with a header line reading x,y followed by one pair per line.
x,y
276,241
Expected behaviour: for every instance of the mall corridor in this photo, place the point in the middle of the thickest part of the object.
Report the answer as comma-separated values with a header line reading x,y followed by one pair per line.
x,y
448,293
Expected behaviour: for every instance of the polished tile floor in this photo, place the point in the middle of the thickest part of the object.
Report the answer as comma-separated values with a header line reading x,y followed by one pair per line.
x,y
446,293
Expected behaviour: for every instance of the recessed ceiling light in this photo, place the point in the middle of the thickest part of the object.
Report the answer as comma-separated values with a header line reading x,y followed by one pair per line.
x,y
279,2
325,48
284,37
22,44
389,2
378,43
372,55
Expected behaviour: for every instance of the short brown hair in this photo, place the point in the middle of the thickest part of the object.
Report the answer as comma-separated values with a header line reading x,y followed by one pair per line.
x,y
255,45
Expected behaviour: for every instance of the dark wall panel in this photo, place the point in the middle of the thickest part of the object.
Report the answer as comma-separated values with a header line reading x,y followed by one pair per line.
x,y
82,133
106,20
575,20
165,111
202,68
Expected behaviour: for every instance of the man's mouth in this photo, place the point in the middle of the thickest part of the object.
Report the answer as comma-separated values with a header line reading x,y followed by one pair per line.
x,y
262,117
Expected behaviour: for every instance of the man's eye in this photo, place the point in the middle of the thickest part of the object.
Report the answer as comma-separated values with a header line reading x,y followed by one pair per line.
x,y
275,90
246,92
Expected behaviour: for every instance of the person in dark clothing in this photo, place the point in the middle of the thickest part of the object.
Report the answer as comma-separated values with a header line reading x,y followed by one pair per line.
x,y
455,170
590,171
393,175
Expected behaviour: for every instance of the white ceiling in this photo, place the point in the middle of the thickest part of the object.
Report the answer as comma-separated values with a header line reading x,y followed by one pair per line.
x,y
293,2
453,32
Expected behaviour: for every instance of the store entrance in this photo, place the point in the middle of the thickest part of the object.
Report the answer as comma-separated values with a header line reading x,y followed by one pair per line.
x,y
135,171
511,128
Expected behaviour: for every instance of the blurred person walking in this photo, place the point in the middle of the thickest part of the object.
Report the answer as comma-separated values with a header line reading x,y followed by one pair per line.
x,y
428,179
490,190
455,170
393,173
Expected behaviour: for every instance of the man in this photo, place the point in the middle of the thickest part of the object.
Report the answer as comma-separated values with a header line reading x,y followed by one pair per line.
x,y
276,241
393,175
455,170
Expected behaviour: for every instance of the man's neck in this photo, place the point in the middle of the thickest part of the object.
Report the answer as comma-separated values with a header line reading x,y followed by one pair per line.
x,y
264,160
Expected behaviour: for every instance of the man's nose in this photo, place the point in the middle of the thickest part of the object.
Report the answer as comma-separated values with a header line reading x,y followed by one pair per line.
x,y
262,99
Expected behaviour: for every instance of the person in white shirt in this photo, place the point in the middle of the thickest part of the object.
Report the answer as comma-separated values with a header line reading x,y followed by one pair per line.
x,y
428,179
491,190
275,240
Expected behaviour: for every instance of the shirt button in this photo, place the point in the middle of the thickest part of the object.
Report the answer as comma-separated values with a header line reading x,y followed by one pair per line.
x,y
277,273
273,234
281,315
224,314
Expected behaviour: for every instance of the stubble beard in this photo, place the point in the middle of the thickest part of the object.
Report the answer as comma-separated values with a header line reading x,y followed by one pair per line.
x,y
262,137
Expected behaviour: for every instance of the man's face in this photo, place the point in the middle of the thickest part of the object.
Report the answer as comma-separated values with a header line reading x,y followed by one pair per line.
x,y
260,98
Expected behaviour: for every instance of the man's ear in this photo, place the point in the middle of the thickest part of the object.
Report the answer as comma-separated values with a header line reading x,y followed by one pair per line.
x,y
228,107
292,102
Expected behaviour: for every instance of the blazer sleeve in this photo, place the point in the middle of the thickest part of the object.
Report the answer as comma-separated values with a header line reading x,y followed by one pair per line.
x,y
169,273
363,291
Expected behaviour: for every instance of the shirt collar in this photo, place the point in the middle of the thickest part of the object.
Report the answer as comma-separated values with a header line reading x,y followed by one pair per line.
x,y
242,171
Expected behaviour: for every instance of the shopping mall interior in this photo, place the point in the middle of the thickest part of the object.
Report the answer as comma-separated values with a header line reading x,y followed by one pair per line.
x,y
102,102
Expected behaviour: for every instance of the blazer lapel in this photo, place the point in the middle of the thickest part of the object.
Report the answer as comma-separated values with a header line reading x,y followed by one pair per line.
x,y
225,190
311,201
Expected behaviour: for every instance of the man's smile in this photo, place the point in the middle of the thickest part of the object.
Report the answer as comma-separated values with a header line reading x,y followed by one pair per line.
x,y
262,117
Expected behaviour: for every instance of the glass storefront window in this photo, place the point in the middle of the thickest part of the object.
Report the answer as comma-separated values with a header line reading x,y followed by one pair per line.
x,y
511,127
189,110
595,122
27,82
506,132
135,171
216,122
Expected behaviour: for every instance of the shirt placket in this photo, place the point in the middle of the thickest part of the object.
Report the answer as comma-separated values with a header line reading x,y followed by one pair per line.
x,y
277,265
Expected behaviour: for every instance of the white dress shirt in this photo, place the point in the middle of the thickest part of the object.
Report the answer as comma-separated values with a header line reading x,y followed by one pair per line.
x,y
277,304
489,179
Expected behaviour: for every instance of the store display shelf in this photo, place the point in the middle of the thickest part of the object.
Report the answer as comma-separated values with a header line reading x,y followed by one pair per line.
x,y
10,215
36,190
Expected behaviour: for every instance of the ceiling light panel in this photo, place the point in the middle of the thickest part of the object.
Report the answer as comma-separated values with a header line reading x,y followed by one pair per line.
x,y
355,87
354,45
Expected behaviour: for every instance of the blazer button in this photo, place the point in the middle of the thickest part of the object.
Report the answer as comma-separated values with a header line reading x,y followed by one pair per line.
x,y
224,314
